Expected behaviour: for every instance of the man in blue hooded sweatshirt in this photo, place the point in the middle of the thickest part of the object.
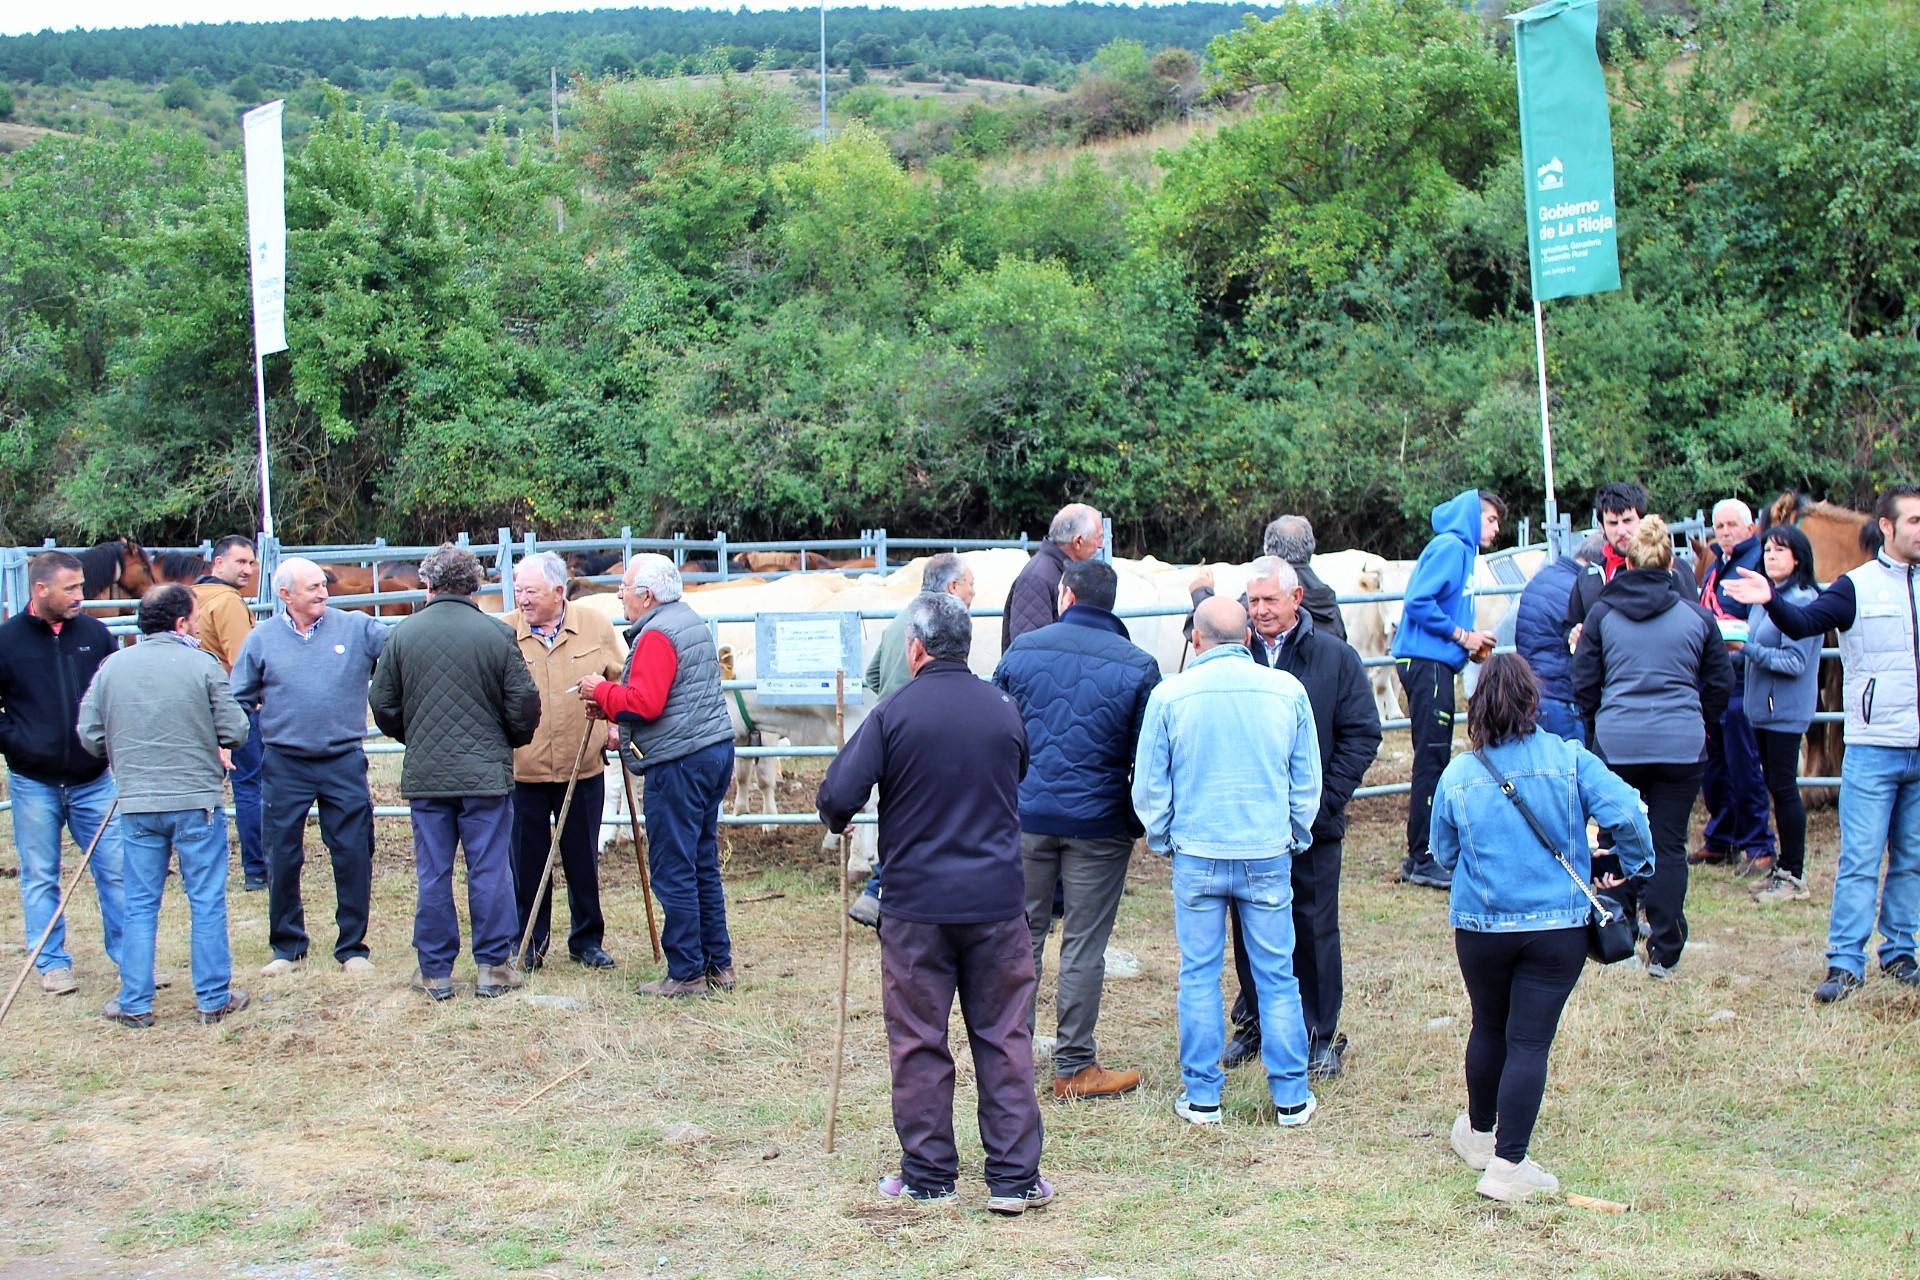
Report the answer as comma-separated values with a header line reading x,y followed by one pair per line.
x,y
1435,639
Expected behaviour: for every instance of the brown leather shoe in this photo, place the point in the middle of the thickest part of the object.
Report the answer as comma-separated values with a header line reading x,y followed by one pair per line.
x,y
237,999
722,979
671,989
1095,1082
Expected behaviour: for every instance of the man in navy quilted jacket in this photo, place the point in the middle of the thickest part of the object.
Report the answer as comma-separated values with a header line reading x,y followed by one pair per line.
x,y
1082,686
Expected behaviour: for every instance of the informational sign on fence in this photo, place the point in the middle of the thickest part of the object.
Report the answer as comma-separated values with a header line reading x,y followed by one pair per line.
x,y
798,656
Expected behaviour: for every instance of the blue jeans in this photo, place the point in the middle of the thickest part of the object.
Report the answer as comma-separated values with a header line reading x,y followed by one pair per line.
x,y
39,811
150,840
682,807
1263,887
1879,816
1562,720
245,776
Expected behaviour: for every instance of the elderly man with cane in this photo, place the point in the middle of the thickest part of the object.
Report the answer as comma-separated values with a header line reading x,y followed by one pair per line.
x,y
303,677
561,646
452,686
675,732
162,714
948,752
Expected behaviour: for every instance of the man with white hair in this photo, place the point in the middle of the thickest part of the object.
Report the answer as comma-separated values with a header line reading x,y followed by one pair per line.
x,y
304,674
675,733
1077,533
1734,784
561,646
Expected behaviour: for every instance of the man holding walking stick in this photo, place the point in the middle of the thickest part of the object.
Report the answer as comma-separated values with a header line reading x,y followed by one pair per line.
x,y
561,646
48,656
948,752
162,713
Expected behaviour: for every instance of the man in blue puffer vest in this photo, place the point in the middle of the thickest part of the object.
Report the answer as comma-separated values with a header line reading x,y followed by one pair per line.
x,y
1434,641
1082,688
1539,637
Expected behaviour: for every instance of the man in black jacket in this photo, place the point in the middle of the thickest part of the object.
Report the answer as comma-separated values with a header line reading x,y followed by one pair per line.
x,y
452,685
1619,506
1347,724
1289,537
48,654
1077,533
948,752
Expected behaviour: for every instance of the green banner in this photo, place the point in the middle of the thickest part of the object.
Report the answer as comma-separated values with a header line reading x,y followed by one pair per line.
x,y
1566,144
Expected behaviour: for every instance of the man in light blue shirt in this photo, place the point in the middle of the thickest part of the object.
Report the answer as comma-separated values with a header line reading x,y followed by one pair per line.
x,y
1227,781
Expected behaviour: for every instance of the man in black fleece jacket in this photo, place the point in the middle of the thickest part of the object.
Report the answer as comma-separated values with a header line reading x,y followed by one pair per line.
x,y
948,752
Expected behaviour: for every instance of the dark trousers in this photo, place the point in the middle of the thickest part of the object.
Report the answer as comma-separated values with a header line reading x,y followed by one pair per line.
x,y
289,786
1518,983
1316,951
1089,872
990,967
1668,791
1429,690
1780,766
248,759
1735,786
681,804
536,807
483,826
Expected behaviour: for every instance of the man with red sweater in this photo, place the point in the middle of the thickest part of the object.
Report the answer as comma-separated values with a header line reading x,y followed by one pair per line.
x,y
675,733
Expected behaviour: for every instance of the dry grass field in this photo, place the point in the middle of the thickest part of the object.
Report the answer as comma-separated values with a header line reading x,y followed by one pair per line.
x,y
350,1129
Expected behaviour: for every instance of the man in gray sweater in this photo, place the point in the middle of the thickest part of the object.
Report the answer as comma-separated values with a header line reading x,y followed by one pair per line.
x,y
162,716
306,672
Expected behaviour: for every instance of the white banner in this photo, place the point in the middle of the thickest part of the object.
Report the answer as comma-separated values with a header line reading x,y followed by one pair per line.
x,y
267,226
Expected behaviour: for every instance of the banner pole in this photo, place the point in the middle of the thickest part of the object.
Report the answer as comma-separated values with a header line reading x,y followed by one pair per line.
x,y
260,403
1546,426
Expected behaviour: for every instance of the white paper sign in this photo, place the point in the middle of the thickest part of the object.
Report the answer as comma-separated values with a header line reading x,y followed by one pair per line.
x,y
807,646
267,225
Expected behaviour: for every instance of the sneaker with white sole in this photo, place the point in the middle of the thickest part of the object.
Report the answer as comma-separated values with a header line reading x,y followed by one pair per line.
x,y
279,966
1013,1204
1297,1115
1511,1183
1471,1145
1194,1112
896,1188
1782,886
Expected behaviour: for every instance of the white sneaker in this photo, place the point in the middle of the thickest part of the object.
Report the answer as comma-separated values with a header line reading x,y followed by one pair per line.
x,y
1299,1116
1471,1145
354,965
1193,1113
278,966
1510,1182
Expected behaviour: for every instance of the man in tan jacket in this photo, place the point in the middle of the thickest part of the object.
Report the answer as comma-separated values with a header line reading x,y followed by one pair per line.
x,y
220,596
560,646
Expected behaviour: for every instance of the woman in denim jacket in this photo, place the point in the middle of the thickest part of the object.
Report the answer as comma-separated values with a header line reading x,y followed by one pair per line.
x,y
1519,919
1783,678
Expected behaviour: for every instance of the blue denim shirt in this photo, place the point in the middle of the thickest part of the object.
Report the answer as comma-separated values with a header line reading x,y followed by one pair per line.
x,y
1228,764
1503,881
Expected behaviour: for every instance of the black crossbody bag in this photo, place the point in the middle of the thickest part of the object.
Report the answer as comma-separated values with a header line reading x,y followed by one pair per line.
x,y
1610,932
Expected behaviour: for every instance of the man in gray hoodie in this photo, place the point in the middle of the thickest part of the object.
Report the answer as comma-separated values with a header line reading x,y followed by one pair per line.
x,y
163,717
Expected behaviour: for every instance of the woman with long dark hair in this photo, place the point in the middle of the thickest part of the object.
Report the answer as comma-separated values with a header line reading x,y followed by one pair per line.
x,y
1783,687
1519,919
1653,676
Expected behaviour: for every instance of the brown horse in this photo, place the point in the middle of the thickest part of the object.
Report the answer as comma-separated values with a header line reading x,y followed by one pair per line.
x,y
117,569
358,580
1837,534
183,567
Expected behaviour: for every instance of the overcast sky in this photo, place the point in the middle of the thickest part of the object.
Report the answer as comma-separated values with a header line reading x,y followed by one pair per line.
x,y
16,18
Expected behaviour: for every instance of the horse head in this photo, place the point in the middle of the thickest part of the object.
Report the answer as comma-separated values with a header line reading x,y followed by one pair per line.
x,y
136,566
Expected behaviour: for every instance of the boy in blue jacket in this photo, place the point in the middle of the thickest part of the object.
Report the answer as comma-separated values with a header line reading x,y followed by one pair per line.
x,y
1435,638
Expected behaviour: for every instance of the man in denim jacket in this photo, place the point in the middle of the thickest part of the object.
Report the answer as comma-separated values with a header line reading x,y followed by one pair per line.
x,y
1227,781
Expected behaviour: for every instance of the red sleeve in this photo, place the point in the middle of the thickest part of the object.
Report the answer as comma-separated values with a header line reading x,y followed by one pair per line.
x,y
648,680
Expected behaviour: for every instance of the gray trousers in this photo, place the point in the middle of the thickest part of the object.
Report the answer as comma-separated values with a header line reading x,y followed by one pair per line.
x,y
1090,872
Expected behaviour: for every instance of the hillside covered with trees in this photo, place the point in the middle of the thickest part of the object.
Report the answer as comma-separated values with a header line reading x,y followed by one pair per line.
x,y
1318,300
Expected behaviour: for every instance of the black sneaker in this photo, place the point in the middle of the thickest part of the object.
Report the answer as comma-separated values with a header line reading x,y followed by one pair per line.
x,y
1839,985
1903,971
1426,873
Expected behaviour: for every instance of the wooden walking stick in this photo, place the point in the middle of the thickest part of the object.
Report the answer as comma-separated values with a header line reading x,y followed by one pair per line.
x,y
646,882
59,909
553,846
840,1014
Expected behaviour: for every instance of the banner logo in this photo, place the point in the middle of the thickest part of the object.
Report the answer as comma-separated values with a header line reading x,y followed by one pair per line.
x,y
1552,175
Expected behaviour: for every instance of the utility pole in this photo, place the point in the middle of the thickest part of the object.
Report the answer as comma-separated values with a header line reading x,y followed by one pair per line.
x,y
823,70
553,85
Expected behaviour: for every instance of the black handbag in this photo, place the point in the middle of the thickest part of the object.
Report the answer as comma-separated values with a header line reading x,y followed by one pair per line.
x,y
1610,931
